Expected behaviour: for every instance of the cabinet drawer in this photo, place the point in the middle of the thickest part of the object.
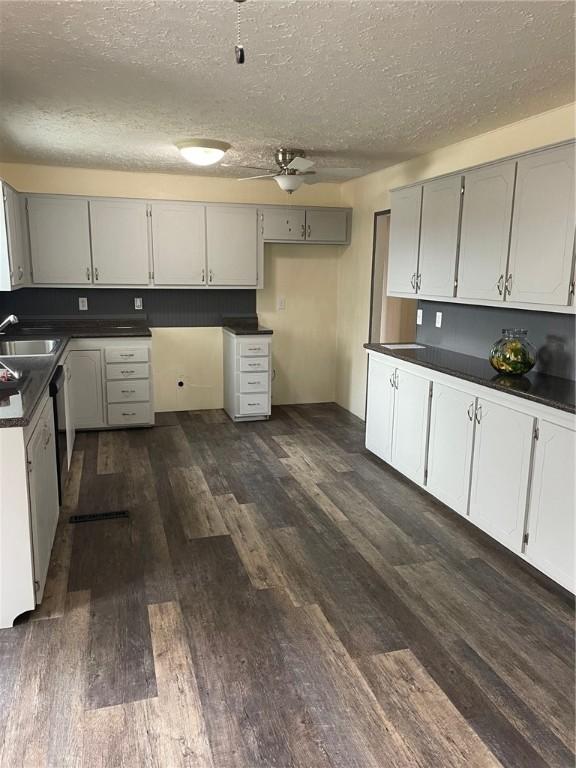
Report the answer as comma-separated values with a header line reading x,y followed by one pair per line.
x,y
130,413
126,391
251,348
126,354
253,363
253,404
130,371
253,382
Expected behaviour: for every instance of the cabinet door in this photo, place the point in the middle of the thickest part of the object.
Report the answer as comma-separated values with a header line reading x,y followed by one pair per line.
x,y
411,408
543,228
86,389
326,226
179,243
70,427
59,240
551,527
439,236
43,490
232,245
380,407
450,446
119,231
284,224
485,233
404,240
500,469
17,237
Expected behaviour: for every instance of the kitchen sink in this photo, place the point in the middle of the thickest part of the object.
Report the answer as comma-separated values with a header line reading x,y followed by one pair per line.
x,y
28,348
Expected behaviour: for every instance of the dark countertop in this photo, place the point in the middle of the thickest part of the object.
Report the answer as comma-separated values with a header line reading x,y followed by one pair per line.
x,y
21,397
537,387
257,330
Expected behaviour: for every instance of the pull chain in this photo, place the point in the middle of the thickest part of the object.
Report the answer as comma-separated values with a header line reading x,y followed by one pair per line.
x,y
239,48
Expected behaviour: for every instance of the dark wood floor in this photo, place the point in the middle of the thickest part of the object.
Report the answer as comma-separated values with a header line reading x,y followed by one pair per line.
x,y
279,598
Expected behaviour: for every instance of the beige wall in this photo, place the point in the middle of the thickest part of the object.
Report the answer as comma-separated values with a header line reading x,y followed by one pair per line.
x,y
305,340
372,193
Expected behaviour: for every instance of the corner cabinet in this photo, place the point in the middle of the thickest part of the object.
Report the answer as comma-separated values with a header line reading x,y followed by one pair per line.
x,y
505,464
501,234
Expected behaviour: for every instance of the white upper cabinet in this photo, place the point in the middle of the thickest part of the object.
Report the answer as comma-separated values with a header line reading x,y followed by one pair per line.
x,y
179,243
325,226
485,232
551,528
232,245
439,236
59,240
380,407
120,242
500,470
14,253
411,406
450,446
404,240
284,224
543,222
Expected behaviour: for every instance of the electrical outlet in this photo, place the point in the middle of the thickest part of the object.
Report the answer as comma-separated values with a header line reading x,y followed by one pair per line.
x,y
281,303
137,303
82,303
418,317
438,319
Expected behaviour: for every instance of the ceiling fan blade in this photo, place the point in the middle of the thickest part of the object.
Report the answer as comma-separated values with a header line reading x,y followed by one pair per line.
x,y
264,176
300,164
248,167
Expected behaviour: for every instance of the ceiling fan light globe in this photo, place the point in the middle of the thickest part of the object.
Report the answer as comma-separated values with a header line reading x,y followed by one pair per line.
x,y
289,183
203,152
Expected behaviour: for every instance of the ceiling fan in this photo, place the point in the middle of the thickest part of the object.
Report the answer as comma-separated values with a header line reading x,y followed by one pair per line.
x,y
292,167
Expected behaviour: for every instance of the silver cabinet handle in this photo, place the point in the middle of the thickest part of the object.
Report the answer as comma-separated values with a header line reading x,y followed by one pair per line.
x,y
418,281
509,284
500,285
128,391
471,411
303,231
396,379
392,379
127,373
88,274
478,414
309,231
210,276
203,276
413,281
20,273
128,413
127,354
96,273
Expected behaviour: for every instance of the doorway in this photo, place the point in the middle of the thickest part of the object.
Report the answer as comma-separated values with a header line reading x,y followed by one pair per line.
x,y
391,319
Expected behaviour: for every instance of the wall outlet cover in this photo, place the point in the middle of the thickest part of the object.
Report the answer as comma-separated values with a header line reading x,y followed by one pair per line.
x,y
281,303
418,317
82,303
438,319
138,304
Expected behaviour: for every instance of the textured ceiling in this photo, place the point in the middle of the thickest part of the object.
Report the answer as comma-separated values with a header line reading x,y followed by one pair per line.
x,y
361,83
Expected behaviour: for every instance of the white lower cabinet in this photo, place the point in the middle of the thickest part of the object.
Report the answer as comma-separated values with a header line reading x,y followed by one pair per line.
x,y
380,407
500,472
86,399
450,446
505,464
410,425
247,376
551,530
43,494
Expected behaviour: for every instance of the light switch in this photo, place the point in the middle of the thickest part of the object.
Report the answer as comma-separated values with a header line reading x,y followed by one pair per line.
x,y
438,319
281,303
418,317
137,303
82,303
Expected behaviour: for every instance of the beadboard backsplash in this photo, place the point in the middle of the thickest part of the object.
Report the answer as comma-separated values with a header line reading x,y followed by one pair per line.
x,y
472,330
164,308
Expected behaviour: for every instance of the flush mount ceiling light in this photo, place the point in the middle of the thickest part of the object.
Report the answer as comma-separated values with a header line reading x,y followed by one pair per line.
x,y
203,151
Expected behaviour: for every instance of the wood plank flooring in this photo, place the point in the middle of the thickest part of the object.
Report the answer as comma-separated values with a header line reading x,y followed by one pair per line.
x,y
279,598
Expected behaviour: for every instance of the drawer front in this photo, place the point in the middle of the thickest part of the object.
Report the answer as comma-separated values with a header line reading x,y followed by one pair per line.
x,y
254,404
126,354
251,348
127,391
253,363
254,382
128,371
130,413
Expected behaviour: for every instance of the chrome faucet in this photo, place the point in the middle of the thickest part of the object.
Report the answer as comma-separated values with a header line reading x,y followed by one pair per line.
x,y
10,320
